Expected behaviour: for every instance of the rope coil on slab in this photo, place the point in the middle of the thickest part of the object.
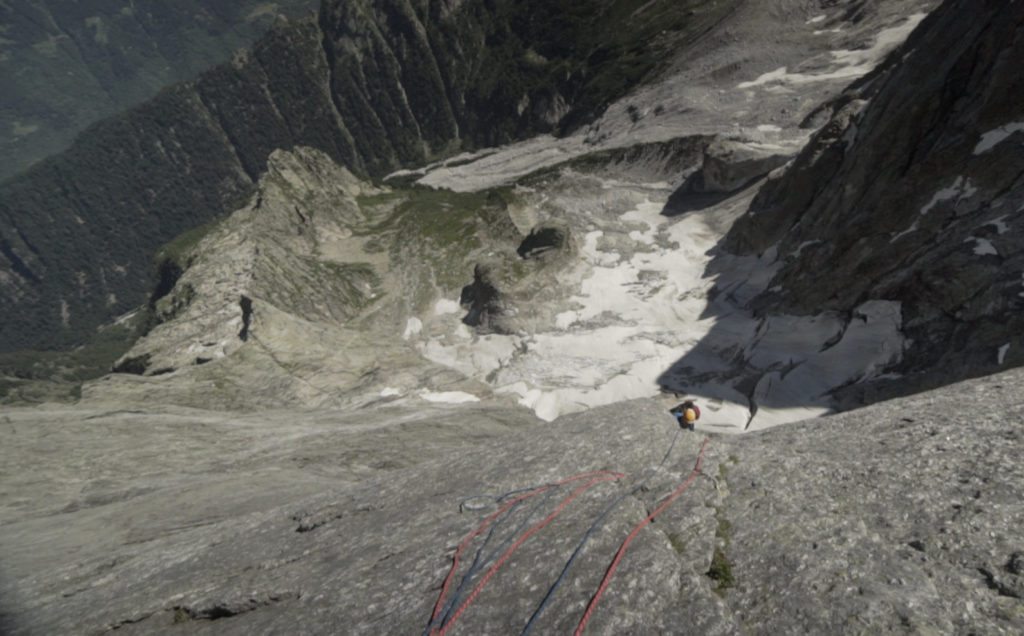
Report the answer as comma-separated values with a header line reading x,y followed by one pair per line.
x,y
590,531
632,535
595,478
446,613
480,561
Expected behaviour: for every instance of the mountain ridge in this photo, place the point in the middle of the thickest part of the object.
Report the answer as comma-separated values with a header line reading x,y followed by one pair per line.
x,y
289,91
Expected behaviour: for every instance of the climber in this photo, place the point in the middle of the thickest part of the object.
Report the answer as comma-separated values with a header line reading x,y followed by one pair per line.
x,y
687,413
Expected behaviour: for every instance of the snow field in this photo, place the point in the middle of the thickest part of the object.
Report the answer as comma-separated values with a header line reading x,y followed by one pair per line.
x,y
635,318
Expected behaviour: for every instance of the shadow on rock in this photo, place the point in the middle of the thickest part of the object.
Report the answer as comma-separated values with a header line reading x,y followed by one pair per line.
x,y
8,625
685,199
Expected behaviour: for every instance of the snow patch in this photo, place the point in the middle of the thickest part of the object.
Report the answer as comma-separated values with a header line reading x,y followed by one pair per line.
x,y
769,128
647,319
847,63
413,327
777,75
816,19
1001,356
999,224
390,392
566,319
983,247
449,397
993,138
913,228
799,250
445,306
961,189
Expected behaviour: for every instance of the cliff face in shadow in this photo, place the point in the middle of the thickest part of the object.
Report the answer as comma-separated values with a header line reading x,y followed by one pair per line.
x,y
65,65
374,85
913,193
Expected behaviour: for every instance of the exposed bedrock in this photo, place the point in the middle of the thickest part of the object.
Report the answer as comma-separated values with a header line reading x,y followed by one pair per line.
x,y
912,193
730,164
901,517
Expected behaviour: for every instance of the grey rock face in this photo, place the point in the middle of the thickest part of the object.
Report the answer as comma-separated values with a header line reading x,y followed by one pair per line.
x,y
731,164
913,192
272,252
903,516
325,290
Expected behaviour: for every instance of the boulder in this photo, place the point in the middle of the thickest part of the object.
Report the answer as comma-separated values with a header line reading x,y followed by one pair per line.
x,y
730,164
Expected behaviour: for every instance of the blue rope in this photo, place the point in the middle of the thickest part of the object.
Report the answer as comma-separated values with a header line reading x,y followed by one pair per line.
x,y
490,558
586,537
450,604
477,564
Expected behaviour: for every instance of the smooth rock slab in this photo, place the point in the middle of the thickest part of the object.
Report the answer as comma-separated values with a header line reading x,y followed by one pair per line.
x,y
903,516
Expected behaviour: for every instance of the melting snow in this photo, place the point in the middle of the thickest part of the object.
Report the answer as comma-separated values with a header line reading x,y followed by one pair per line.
x,y
993,138
850,63
961,189
413,327
999,224
636,316
449,397
446,306
912,228
983,247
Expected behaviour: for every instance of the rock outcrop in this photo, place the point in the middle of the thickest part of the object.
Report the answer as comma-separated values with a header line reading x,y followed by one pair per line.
x,y
731,164
913,192
325,290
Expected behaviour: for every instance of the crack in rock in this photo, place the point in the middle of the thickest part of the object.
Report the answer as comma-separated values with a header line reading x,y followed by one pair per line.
x,y
226,609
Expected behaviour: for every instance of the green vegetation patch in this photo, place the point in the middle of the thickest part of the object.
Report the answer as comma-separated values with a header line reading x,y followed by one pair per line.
x,y
436,237
677,542
28,377
179,249
358,283
438,233
721,569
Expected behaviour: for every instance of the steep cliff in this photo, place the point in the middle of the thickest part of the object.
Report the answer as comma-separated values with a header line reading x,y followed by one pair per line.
x,y
375,85
913,192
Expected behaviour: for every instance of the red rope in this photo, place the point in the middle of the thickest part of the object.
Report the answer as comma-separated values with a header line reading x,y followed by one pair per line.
x,y
597,477
465,542
629,539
